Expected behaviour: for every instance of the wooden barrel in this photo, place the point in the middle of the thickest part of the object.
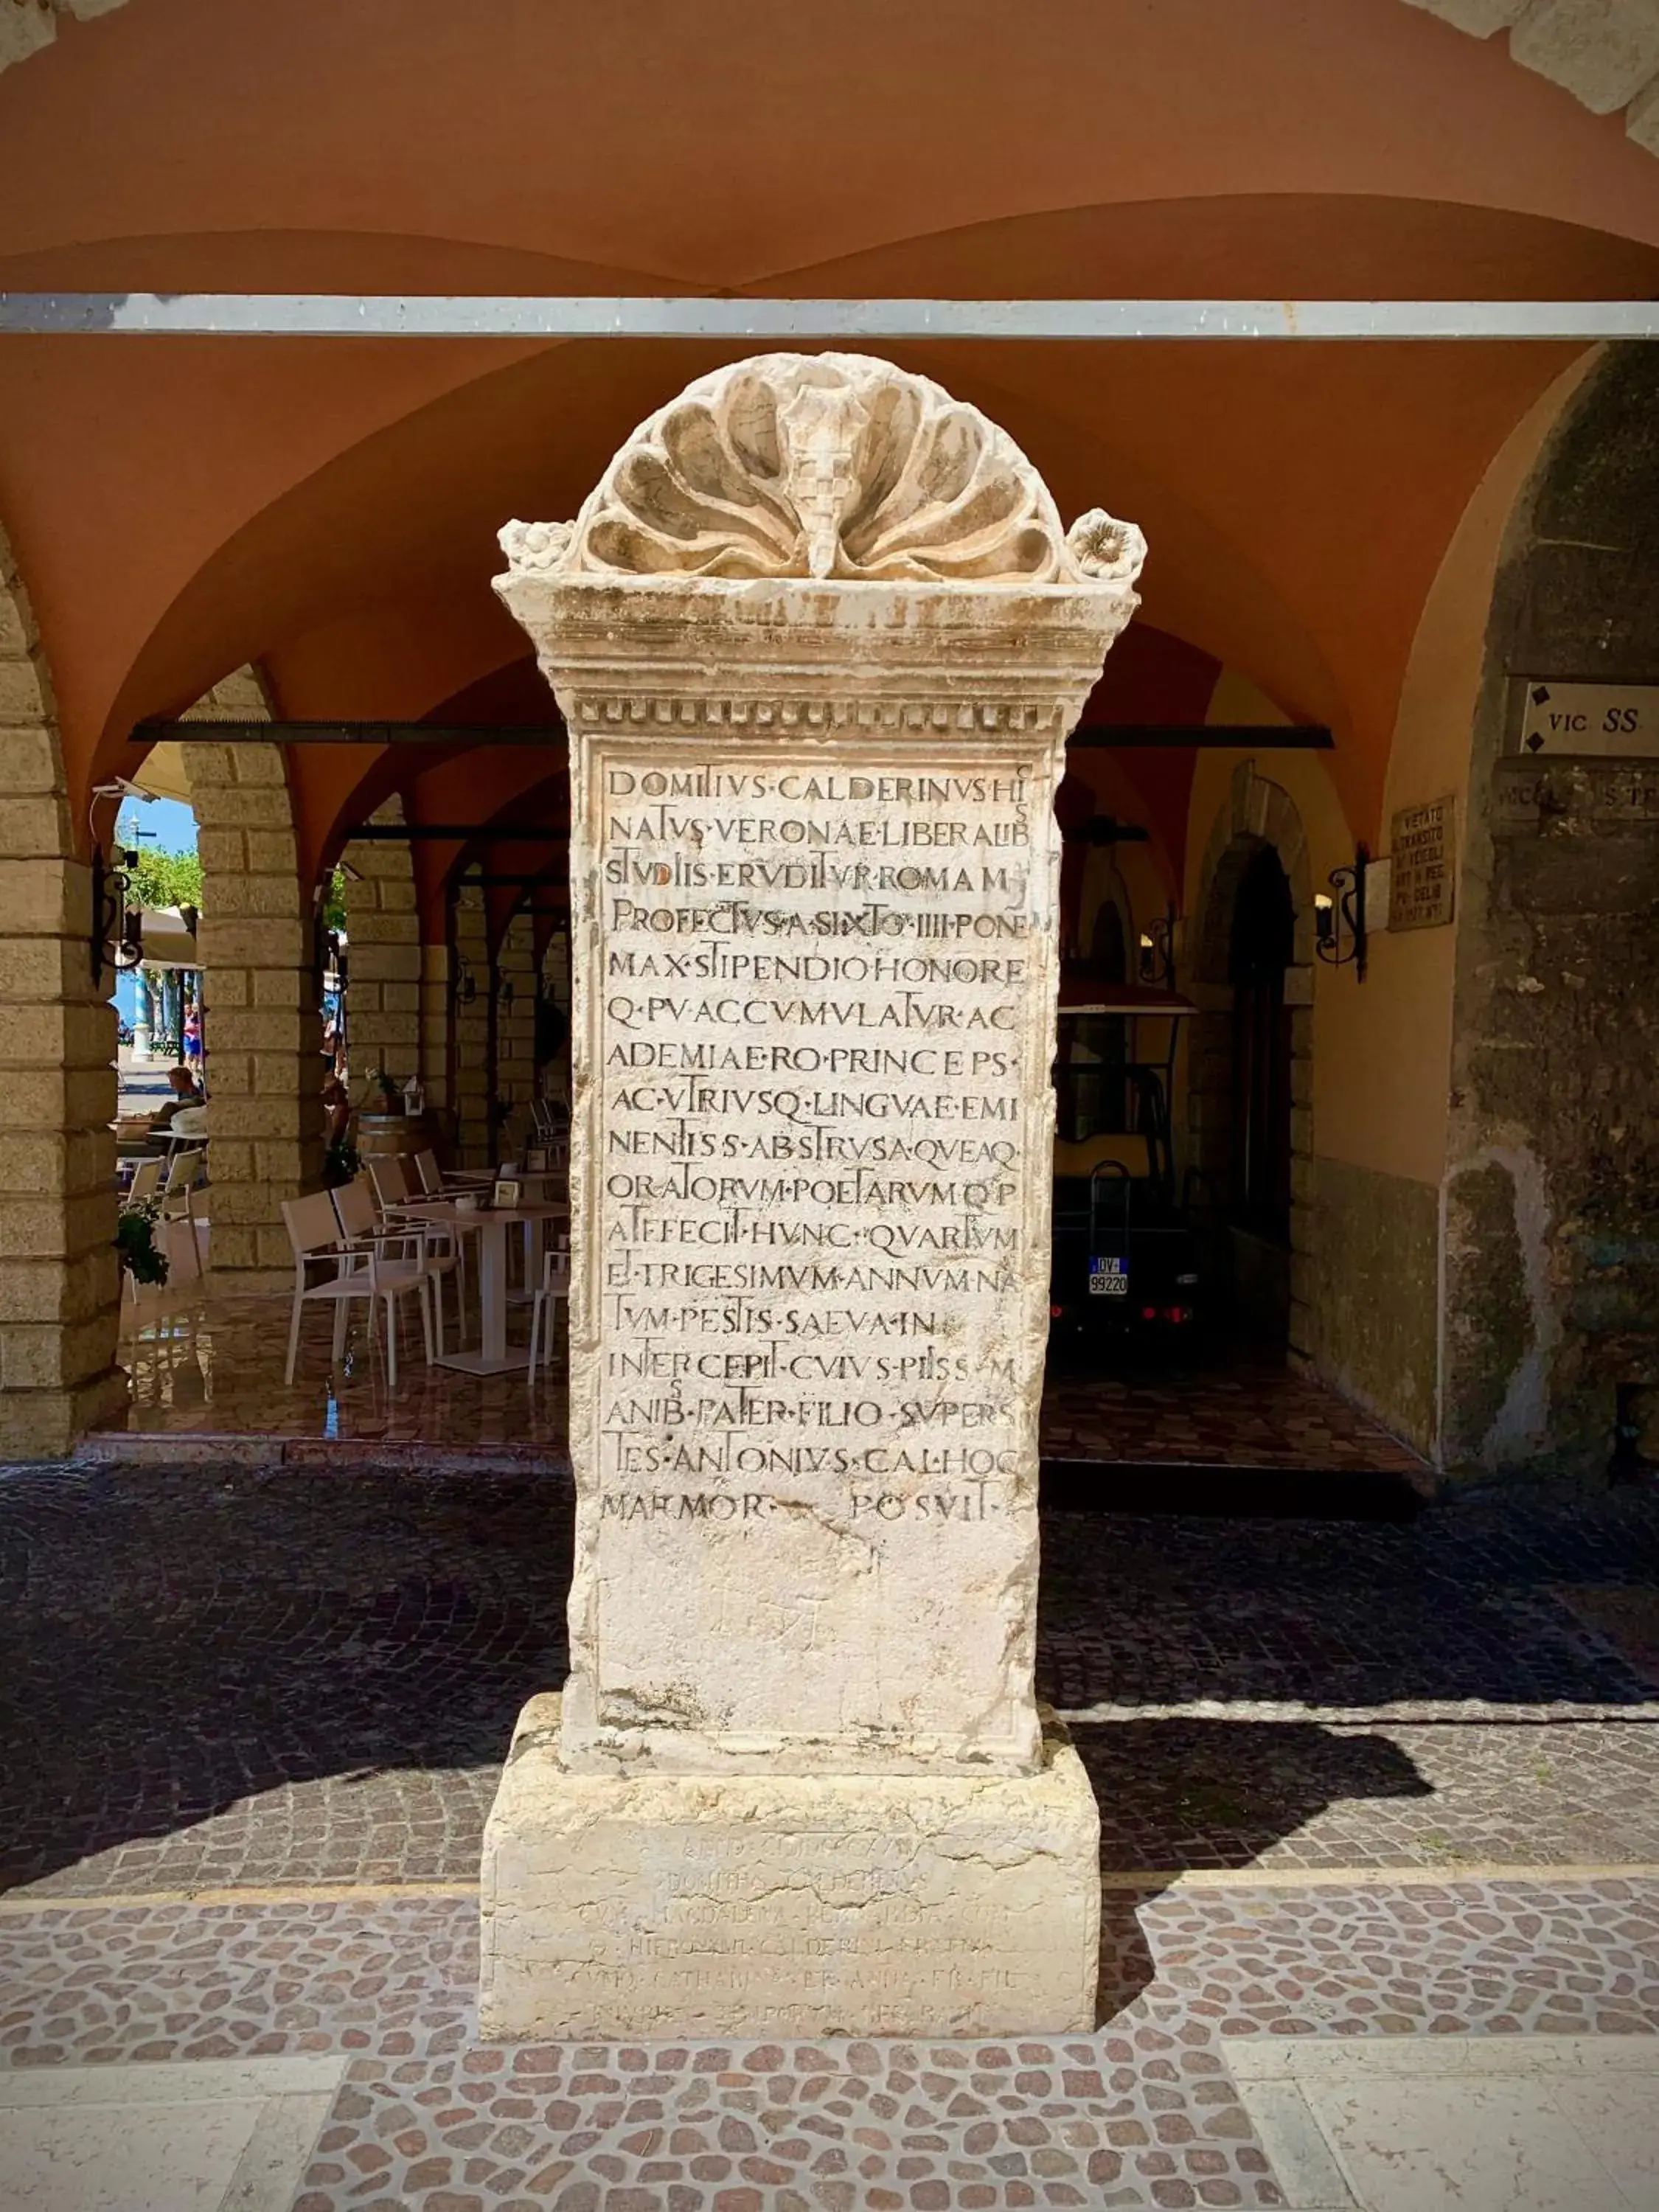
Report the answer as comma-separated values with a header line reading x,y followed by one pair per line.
x,y
380,1135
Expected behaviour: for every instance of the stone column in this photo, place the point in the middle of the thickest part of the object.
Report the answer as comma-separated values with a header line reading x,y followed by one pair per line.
x,y
819,638
515,1030
60,1281
554,1075
261,1020
383,938
473,1022
437,1026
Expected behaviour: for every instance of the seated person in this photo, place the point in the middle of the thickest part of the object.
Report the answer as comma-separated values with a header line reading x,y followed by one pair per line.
x,y
186,1092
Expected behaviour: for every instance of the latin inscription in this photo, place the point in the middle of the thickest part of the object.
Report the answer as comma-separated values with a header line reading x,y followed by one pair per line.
x,y
1424,861
1530,796
819,1009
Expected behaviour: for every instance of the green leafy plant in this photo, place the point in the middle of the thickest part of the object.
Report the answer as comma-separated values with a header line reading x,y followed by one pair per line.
x,y
135,1240
160,879
341,1165
388,1090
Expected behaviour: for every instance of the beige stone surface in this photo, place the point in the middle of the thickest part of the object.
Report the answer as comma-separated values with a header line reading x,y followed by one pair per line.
x,y
470,1060
383,1016
818,636
262,1025
59,1277
803,1904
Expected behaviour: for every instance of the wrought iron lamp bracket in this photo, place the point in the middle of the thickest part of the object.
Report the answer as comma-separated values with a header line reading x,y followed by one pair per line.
x,y
1339,929
116,936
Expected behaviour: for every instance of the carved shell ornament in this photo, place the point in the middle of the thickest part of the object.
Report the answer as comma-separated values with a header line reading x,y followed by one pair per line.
x,y
827,466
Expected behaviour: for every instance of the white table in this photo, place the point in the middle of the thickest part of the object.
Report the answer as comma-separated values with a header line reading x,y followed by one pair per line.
x,y
489,1225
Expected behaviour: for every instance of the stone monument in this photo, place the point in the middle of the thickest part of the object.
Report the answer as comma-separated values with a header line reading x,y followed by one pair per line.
x,y
818,637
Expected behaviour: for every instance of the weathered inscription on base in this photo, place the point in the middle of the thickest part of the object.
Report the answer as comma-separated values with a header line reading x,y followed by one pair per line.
x,y
818,1030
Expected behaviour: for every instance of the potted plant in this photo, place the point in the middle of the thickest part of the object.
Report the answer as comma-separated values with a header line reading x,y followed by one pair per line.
x,y
135,1240
341,1164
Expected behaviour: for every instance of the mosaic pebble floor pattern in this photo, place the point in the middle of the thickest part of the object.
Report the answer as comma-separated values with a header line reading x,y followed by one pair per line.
x,y
234,1676
292,1686
1143,2112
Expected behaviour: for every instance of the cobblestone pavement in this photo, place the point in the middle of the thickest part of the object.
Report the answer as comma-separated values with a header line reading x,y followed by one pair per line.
x,y
251,1679
1142,2113
274,1676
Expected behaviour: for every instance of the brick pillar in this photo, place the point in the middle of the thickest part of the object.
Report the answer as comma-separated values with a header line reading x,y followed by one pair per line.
x,y
472,1028
59,1276
554,1076
383,933
263,1027
437,1021
515,1031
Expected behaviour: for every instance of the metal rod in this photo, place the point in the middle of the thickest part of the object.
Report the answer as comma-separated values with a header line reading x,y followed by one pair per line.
x,y
1263,737
1090,737
322,314
205,732
422,833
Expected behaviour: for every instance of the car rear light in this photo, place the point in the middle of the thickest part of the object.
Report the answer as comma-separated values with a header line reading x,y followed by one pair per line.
x,y
1149,1313
1054,1312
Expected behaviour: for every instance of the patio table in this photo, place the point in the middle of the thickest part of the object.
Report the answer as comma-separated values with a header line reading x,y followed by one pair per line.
x,y
489,1225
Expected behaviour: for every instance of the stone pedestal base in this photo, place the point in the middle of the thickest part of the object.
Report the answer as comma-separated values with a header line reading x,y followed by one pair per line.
x,y
686,1905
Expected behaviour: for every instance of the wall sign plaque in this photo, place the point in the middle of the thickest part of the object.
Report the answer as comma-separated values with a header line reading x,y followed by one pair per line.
x,y
1587,718
1423,874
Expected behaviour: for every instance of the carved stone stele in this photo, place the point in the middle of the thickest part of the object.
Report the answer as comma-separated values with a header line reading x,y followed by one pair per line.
x,y
819,636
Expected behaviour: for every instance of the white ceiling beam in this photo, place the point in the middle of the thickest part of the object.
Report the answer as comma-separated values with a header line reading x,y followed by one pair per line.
x,y
309,314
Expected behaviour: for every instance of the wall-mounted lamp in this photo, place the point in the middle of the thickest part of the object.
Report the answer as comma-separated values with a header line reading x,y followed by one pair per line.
x,y
504,991
1339,923
1156,966
466,986
117,933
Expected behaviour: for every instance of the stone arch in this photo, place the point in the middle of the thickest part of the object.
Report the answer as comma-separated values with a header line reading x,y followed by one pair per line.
x,y
1550,1203
1607,58
261,991
60,1279
1258,814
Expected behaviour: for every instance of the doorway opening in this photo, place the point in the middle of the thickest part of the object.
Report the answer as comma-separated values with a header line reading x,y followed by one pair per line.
x,y
1262,941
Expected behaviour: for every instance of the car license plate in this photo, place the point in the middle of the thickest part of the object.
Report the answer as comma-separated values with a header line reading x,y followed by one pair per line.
x,y
1108,1279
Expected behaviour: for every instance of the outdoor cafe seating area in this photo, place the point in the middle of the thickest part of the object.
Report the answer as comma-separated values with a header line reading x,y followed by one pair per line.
x,y
426,1304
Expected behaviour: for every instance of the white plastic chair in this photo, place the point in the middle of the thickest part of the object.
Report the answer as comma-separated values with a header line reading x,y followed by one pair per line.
x,y
554,1286
146,1181
181,1193
434,1183
361,1269
446,1251
390,1177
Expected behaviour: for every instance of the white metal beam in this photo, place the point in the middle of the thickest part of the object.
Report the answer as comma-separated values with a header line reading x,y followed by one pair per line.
x,y
314,314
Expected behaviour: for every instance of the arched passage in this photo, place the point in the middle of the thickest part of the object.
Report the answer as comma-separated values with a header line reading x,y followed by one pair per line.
x,y
1250,1070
